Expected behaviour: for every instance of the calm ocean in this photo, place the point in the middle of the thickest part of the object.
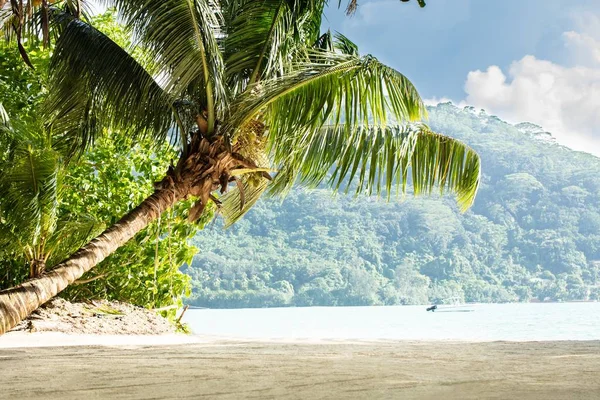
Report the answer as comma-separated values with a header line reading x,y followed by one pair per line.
x,y
488,322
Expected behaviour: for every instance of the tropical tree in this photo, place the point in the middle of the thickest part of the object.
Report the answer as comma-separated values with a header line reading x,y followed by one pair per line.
x,y
32,234
246,88
103,184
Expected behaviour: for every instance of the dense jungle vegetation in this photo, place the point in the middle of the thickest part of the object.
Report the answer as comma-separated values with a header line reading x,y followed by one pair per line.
x,y
533,234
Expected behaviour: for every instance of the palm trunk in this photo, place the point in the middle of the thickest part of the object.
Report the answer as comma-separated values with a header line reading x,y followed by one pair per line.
x,y
37,267
18,302
206,168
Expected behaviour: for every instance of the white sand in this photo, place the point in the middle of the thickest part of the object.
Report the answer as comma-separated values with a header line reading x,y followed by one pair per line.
x,y
96,318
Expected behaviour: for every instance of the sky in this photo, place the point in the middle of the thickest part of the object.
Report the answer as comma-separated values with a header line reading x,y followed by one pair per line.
x,y
522,60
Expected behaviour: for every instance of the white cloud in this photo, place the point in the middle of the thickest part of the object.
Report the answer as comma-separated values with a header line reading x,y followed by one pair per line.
x,y
585,48
564,100
584,43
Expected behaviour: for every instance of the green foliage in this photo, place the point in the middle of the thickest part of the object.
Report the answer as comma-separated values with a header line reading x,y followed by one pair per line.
x,y
259,44
97,188
269,89
22,89
34,235
385,155
533,234
108,181
95,97
295,94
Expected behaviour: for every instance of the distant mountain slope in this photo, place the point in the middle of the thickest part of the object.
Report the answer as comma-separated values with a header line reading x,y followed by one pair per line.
x,y
533,233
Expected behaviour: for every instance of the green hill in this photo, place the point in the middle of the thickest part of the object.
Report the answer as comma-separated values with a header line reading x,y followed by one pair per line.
x,y
533,233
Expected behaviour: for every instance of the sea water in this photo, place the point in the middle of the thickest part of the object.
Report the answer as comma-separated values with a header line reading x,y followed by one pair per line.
x,y
487,322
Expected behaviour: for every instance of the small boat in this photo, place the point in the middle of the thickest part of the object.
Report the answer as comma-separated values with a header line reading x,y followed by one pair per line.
x,y
451,304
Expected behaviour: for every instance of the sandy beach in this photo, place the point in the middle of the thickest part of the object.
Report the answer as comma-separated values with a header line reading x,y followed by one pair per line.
x,y
193,367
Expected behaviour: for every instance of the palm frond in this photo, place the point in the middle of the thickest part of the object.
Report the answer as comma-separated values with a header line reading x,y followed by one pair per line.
x,y
335,89
239,200
10,241
379,158
182,34
29,190
324,42
344,45
32,21
14,24
69,236
263,36
5,132
4,118
19,137
336,42
236,203
98,84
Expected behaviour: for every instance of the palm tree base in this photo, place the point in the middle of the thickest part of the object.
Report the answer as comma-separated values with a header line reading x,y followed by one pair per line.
x,y
207,166
18,302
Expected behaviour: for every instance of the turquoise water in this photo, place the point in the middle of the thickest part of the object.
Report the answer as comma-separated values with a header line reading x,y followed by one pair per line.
x,y
514,322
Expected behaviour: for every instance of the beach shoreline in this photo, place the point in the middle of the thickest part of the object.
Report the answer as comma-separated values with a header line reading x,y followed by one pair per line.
x,y
180,366
24,339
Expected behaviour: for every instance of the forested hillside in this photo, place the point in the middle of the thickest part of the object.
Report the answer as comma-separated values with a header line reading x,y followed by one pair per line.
x,y
533,233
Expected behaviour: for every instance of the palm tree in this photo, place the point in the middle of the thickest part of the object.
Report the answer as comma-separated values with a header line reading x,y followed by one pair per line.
x,y
245,88
33,234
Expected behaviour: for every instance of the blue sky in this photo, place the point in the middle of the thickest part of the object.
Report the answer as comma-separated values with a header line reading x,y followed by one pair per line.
x,y
536,60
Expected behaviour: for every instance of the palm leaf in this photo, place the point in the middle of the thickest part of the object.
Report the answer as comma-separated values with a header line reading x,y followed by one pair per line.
x,y
31,21
69,236
10,240
325,42
98,84
235,206
345,45
182,34
379,158
29,191
244,171
263,36
335,89
4,119
238,201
